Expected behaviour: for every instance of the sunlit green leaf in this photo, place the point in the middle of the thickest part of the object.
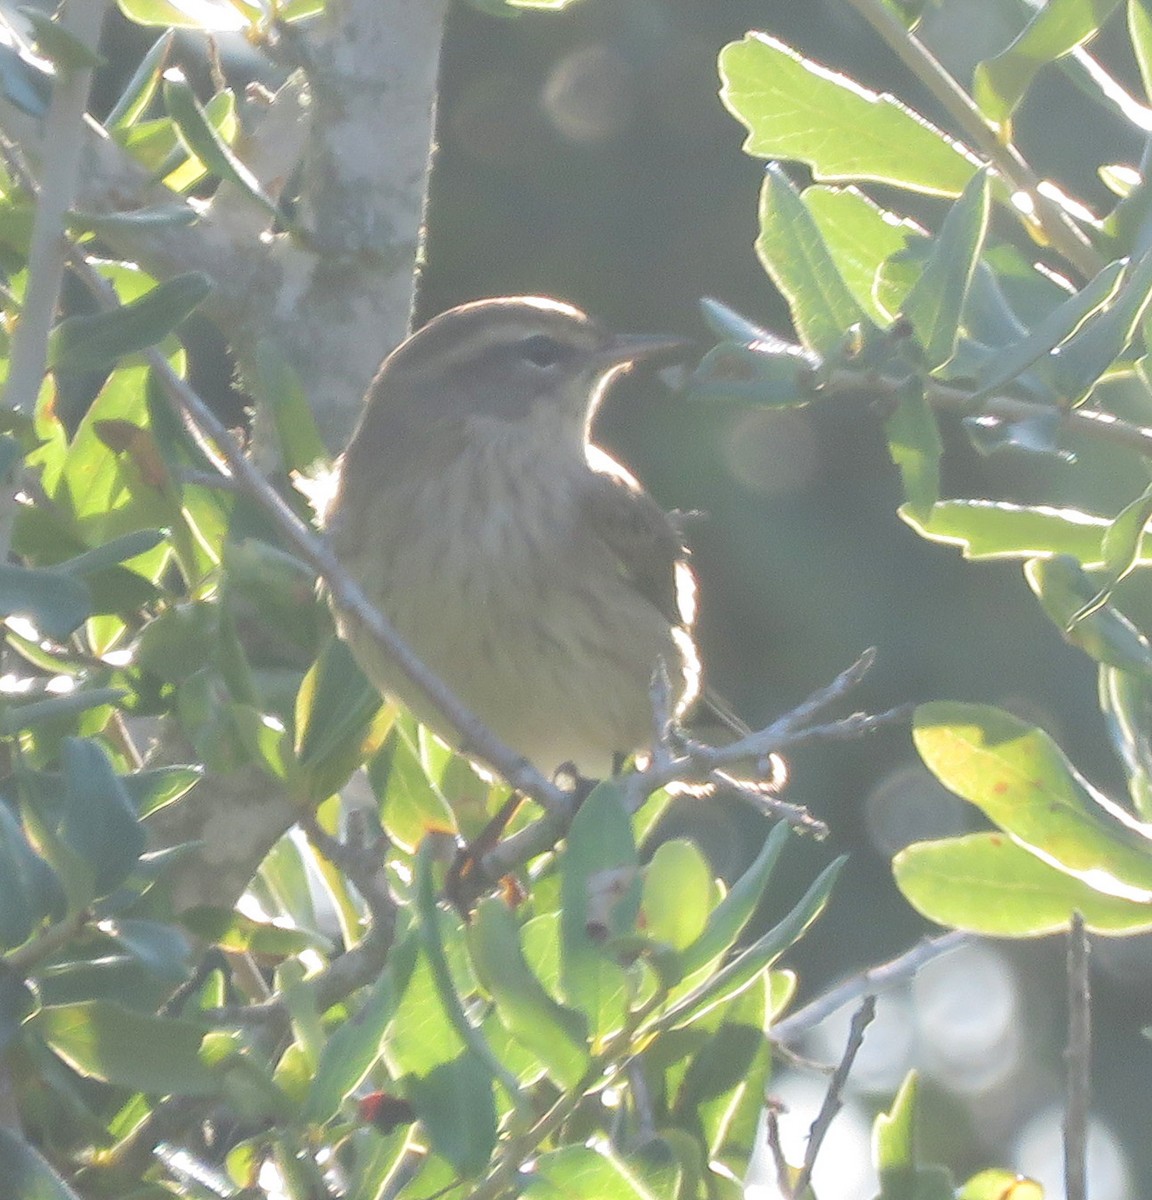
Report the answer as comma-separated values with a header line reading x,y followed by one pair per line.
x,y
583,1173
793,252
1072,600
207,16
996,1184
106,1042
989,529
915,446
988,884
96,341
937,300
999,83
600,892
140,89
557,1035
1018,777
861,237
202,139
795,108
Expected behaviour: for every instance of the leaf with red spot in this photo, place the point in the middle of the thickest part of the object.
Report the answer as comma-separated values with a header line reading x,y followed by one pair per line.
x,y
1020,779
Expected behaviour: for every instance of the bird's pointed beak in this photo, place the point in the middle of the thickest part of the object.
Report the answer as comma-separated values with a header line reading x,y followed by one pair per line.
x,y
625,349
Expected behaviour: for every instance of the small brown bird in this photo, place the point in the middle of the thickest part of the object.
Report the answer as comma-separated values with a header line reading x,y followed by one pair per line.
x,y
526,567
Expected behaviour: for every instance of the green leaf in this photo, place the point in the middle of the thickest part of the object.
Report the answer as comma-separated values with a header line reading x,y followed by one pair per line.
x,y
902,1177
996,1184
54,603
722,1090
26,1175
729,325
557,1035
456,1105
989,885
157,787
278,388
118,550
794,254
140,89
1060,323
916,448
729,917
99,821
339,722
59,45
990,529
17,714
600,900
583,1173
200,136
410,803
24,79
97,341
429,926
861,236
1126,703
241,934
134,220
743,970
161,947
1140,33
31,893
999,83
18,1001
1071,599
894,1139
207,16
937,300
1078,363
754,374
103,1041
797,109
677,896
1018,777
1123,540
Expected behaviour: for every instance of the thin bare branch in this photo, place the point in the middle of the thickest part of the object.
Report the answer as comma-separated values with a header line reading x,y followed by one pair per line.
x,y
834,1096
871,982
772,1111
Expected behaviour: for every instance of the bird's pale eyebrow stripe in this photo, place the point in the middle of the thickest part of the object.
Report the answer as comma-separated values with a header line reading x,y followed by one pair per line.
x,y
453,352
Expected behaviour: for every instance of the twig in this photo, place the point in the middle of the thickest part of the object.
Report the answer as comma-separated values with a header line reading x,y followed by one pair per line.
x,y
1086,422
833,1097
1078,1058
697,763
700,764
1068,239
795,815
772,1111
64,136
871,982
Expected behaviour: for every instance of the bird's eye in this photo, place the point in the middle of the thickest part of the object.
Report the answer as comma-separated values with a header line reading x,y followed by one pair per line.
x,y
542,350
